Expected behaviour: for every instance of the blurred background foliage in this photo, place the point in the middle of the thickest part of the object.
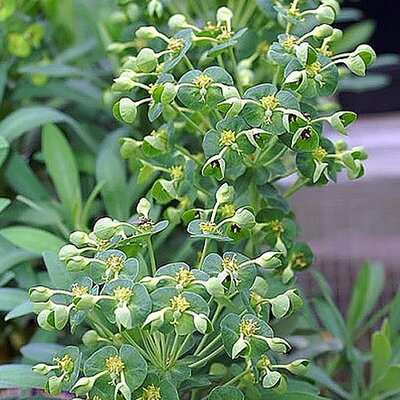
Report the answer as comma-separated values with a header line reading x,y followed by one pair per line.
x,y
58,59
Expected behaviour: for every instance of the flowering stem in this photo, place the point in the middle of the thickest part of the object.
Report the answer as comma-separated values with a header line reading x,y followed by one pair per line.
x,y
237,377
295,187
152,256
208,358
187,119
213,321
235,70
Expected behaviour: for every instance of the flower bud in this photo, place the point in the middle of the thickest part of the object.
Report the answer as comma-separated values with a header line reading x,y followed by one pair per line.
x,y
84,385
340,145
202,323
150,283
244,218
169,93
359,153
129,66
125,110
298,367
337,34
53,385
143,207
224,16
42,320
214,287
271,379
40,294
123,84
155,8
105,228
128,147
42,369
332,3
79,238
67,252
90,338
322,31
61,314
246,76
367,54
147,60
269,260
147,32
225,194
325,14
278,344
123,317
177,22
77,263
85,302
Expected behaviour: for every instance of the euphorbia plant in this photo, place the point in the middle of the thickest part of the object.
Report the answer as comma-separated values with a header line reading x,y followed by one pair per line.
x,y
207,328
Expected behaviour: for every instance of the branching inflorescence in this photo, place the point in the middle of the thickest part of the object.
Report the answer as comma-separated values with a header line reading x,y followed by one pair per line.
x,y
205,330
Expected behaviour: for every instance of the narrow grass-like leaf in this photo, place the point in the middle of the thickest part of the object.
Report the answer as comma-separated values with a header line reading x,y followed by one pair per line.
x,y
110,170
25,119
32,239
63,169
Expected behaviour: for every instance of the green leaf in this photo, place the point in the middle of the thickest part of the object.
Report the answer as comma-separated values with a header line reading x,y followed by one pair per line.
x,y
366,292
4,203
20,376
394,317
11,297
63,169
4,149
11,256
226,393
381,353
25,119
3,79
110,170
389,382
323,380
22,179
21,310
58,274
32,239
41,352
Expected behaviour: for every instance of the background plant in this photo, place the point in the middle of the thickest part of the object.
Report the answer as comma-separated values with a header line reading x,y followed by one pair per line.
x,y
251,139
351,359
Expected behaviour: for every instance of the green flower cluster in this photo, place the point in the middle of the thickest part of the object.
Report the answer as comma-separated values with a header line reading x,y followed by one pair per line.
x,y
150,328
209,330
